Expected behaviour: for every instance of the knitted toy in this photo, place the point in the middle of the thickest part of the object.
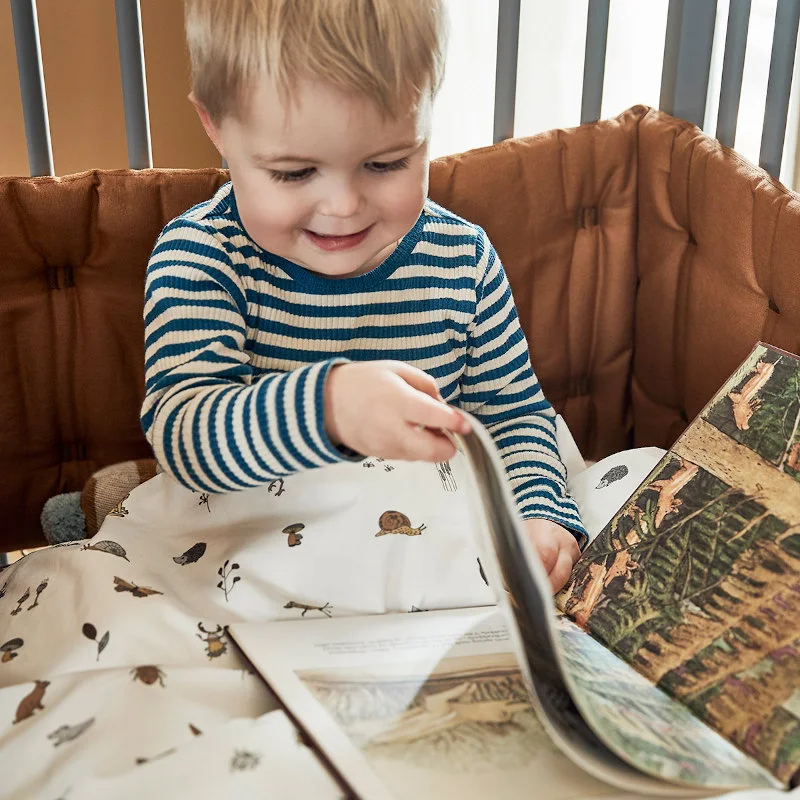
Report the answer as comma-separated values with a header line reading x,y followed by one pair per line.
x,y
79,515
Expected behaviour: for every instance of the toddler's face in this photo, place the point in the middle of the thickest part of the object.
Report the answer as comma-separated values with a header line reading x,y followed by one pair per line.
x,y
326,182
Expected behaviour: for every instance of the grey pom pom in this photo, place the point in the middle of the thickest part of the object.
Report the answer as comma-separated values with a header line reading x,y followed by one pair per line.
x,y
62,519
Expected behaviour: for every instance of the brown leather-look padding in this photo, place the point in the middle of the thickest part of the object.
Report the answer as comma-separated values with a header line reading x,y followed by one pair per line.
x,y
719,269
645,259
72,263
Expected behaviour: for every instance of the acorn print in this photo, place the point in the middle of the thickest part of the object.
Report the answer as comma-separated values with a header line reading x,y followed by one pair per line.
x,y
395,522
614,474
193,554
106,546
295,537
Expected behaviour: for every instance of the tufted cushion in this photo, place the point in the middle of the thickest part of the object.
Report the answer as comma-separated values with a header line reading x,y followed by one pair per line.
x,y
645,259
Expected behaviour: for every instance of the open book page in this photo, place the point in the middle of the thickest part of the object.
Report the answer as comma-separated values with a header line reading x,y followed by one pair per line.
x,y
512,565
418,706
696,581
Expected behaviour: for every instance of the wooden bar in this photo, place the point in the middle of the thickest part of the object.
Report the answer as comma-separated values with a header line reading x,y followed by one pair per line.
x,y
730,92
134,83
687,58
779,85
594,62
31,86
505,86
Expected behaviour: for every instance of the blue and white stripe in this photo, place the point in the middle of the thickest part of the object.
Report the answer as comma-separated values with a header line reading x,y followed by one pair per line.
x,y
238,344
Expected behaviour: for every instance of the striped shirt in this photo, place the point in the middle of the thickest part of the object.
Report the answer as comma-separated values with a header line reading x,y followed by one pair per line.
x,y
238,343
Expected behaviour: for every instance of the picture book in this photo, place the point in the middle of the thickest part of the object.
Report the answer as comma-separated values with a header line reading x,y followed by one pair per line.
x,y
668,666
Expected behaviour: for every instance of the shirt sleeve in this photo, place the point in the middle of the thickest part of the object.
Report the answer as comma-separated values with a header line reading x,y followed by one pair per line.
x,y
500,388
212,424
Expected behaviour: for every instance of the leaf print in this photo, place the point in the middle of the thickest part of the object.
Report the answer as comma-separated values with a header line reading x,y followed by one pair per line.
x,y
101,645
89,631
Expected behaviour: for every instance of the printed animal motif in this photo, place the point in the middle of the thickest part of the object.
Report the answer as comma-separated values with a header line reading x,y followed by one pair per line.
x,y
242,760
306,608
31,702
9,649
793,459
119,510
395,522
747,401
121,585
66,733
107,546
293,531
192,555
148,674
216,645
614,474
600,577
668,501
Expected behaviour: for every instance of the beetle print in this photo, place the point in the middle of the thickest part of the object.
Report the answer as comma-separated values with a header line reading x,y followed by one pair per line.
x,y
148,674
395,522
216,645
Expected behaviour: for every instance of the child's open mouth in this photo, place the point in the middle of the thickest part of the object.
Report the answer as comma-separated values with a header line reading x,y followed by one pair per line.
x,y
337,242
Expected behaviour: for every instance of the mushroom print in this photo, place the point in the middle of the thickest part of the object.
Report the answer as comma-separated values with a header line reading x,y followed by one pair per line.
x,y
295,537
9,649
395,522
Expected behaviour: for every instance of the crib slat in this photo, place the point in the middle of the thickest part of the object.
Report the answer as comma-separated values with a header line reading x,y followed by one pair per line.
x,y
779,85
594,62
31,86
134,83
687,58
505,82
730,92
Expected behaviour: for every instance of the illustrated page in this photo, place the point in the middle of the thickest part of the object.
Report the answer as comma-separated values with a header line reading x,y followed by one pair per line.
x,y
696,581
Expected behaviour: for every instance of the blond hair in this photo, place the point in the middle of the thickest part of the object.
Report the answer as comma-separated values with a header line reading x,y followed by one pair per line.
x,y
390,51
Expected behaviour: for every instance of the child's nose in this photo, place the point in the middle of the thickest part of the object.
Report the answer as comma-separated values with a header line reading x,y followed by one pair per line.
x,y
343,199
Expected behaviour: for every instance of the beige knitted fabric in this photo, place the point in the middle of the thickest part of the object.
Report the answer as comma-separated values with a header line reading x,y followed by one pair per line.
x,y
108,487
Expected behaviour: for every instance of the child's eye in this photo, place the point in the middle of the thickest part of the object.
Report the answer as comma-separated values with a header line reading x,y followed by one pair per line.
x,y
289,177
387,166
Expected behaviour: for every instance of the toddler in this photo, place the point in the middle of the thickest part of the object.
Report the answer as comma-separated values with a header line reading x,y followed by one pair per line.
x,y
319,307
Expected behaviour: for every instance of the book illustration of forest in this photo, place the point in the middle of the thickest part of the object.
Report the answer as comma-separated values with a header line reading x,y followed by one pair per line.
x,y
760,409
696,581
469,715
645,726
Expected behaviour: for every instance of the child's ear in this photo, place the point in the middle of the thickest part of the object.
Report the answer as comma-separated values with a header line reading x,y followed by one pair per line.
x,y
208,124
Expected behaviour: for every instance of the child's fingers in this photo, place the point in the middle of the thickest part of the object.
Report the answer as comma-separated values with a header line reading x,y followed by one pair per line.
x,y
417,379
559,574
423,444
420,409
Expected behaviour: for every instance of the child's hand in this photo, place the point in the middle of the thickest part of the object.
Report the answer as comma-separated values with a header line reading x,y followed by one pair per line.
x,y
556,547
391,410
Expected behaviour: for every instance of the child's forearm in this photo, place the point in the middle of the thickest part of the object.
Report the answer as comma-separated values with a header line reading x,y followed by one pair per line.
x,y
215,435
